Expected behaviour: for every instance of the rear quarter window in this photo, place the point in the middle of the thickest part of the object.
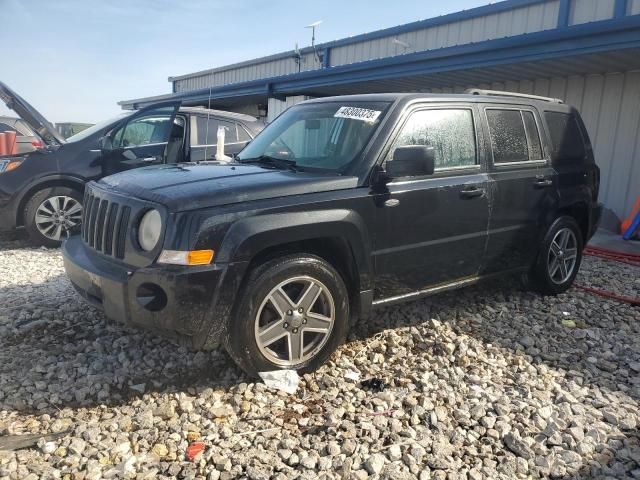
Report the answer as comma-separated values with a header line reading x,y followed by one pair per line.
x,y
567,141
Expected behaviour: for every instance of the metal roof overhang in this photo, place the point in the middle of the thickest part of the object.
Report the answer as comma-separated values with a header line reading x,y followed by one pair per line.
x,y
598,47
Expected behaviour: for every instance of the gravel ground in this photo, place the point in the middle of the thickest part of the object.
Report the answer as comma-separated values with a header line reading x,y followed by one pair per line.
x,y
488,382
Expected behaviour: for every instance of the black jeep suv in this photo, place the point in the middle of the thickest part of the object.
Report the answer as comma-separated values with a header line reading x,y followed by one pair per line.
x,y
42,190
340,205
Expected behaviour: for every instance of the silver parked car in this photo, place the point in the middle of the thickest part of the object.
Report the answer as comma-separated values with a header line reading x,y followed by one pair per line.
x,y
27,140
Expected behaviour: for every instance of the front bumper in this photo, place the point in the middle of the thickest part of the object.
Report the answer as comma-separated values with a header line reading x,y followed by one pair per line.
x,y
184,303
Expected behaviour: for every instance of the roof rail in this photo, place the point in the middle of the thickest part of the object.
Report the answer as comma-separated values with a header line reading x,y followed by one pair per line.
x,y
498,93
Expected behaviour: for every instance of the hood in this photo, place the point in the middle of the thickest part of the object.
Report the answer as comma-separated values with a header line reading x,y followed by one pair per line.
x,y
192,186
36,121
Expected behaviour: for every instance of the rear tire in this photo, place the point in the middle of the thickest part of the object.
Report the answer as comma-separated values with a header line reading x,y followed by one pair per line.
x,y
559,258
292,314
53,214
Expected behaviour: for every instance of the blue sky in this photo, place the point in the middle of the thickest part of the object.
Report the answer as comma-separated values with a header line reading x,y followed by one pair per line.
x,y
74,59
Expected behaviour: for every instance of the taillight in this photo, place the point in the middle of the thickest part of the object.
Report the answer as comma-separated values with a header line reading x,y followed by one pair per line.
x,y
37,144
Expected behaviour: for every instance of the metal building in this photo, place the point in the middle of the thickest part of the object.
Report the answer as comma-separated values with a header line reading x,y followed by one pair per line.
x,y
586,52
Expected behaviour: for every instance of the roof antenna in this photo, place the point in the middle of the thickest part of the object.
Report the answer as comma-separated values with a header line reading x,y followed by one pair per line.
x,y
313,26
297,56
206,135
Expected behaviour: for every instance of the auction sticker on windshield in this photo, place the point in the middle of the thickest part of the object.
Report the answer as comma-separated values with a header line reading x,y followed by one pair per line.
x,y
355,113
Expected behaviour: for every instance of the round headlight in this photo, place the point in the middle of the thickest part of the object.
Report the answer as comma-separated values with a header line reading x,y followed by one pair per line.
x,y
149,230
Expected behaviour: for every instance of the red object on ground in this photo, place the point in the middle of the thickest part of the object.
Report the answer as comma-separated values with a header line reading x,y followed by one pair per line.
x,y
11,142
3,145
634,211
612,255
606,254
195,449
603,293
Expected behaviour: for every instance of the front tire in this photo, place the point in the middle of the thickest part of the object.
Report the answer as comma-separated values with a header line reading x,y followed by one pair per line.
x,y
559,257
53,214
292,314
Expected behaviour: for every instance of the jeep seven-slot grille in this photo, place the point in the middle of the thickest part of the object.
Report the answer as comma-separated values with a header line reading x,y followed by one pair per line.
x,y
105,225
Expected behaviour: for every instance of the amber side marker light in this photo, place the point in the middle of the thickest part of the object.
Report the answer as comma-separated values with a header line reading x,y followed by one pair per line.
x,y
179,257
12,165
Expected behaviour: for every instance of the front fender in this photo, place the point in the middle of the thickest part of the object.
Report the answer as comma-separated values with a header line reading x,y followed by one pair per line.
x,y
247,237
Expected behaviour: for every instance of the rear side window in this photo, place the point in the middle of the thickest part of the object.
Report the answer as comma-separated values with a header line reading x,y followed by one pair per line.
x,y
566,140
449,131
207,131
533,137
508,137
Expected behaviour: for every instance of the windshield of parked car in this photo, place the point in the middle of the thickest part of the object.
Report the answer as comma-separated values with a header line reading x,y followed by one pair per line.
x,y
324,136
97,127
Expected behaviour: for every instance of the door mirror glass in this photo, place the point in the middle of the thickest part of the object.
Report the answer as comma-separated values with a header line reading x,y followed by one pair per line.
x,y
411,161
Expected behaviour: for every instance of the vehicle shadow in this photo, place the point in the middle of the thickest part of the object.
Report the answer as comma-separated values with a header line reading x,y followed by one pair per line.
x,y
58,352
592,348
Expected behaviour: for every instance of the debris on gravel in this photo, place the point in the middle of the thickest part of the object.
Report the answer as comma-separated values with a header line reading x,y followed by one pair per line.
x,y
488,382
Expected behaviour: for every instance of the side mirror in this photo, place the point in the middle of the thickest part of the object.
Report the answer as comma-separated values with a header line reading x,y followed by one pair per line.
x,y
411,161
105,143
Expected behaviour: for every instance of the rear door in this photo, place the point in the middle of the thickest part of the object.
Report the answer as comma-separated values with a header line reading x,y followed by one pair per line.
x,y
432,229
525,186
141,140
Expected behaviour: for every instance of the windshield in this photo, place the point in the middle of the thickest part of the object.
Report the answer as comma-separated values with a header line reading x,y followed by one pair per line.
x,y
325,136
97,127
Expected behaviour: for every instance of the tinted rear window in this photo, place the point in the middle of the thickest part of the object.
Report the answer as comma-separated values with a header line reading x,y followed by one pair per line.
x,y
508,138
566,140
535,148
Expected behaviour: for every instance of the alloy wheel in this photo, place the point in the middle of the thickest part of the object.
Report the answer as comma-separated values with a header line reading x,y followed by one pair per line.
x,y
57,216
295,321
563,255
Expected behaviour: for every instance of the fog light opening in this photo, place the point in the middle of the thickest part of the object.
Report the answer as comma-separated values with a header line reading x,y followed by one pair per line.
x,y
151,297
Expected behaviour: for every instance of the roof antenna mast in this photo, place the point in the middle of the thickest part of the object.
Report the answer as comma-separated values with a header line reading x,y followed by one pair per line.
x,y
313,26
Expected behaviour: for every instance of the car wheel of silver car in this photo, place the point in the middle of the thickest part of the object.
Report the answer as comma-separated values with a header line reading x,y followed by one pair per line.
x,y
293,314
559,257
52,215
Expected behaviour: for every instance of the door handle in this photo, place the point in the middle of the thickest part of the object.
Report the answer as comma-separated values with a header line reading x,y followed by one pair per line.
x,y
542,182
148,159
472,192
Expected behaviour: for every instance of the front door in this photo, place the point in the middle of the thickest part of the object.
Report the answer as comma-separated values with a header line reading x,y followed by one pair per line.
x,y
432,230
141,140
525,187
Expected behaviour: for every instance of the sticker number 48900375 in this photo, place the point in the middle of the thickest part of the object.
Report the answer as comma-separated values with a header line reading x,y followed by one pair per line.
x,y
355,113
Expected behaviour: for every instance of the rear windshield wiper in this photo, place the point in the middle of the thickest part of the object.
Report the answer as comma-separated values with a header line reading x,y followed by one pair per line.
x,y
274,161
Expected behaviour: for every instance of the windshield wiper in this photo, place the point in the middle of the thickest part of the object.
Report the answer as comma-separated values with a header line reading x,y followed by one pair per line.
x,y
273,161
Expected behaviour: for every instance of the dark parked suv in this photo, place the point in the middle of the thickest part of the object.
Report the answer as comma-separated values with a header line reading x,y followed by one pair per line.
x,y
340,205
43,190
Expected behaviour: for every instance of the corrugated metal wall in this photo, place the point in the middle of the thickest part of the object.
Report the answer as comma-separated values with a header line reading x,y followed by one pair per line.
x,y
273,68
276,107
583,11
633,7
610,106
534,18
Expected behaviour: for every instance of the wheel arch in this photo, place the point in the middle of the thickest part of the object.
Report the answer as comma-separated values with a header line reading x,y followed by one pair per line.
x,y
47,182
337,236
579,211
